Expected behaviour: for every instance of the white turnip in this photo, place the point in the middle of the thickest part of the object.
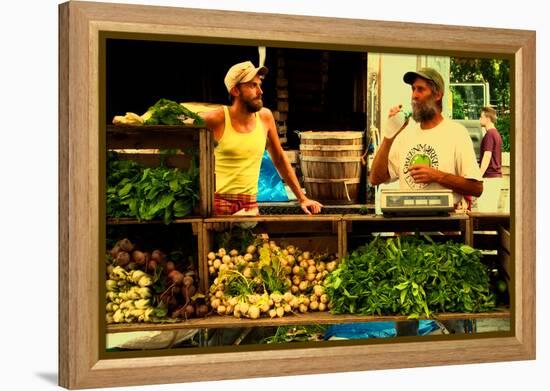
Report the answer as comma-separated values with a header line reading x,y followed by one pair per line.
x,y
111,285
254,312
217,263
318,290
288,297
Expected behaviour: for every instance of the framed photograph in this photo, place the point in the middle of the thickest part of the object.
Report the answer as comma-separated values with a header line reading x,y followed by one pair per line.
x,y
116,64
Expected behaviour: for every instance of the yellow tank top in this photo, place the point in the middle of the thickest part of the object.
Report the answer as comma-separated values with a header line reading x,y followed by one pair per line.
x,y
238,158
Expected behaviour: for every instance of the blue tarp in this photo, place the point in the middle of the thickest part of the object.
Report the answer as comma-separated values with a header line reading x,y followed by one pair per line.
x,y
374,329
270,184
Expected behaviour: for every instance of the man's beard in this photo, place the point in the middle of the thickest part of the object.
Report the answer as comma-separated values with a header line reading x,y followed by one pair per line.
x,y
253,105
424,111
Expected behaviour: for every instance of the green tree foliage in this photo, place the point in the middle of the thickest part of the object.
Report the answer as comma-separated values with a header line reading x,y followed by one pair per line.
x,y
458,105
496,72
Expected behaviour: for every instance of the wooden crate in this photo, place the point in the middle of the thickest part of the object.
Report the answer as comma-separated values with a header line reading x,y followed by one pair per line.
x,y
143,144
313,233
491,232
455,227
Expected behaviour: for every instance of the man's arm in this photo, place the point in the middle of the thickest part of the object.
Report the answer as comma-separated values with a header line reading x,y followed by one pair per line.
x,y
215,121
379,170
485,160
283,166
422,173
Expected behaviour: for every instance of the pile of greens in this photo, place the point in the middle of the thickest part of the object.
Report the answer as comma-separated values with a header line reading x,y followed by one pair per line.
x,y
410,276
168,112
150,193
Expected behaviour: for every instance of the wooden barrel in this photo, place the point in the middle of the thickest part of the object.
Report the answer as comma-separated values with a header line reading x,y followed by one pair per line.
x,y
331,165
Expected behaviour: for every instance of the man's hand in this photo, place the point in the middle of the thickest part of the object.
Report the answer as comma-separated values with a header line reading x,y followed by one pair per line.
x,y
394,123
310,206
422,173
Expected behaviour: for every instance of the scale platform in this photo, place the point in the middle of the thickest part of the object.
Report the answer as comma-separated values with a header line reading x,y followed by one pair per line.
x,y
416,203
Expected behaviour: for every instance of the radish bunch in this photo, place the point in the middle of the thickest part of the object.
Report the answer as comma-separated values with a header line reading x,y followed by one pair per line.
x,y
149,287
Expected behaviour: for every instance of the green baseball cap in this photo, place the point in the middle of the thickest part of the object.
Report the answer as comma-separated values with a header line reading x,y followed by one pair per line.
x,y
425,73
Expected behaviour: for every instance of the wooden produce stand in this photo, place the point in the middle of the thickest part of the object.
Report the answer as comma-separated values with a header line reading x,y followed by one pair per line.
x,y
330,232
314,233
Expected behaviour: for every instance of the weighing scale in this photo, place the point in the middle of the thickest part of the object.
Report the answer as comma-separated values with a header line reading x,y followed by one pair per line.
x,y
416,203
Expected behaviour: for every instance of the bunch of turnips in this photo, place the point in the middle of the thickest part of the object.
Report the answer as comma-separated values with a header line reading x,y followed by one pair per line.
x,y
268,280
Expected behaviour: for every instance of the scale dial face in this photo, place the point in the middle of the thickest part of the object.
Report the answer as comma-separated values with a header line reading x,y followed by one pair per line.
x,y
417,200
416,203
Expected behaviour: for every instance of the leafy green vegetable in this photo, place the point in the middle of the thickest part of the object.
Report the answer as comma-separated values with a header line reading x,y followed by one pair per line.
x,y
150,193
410,276
272,272
168,112
297,334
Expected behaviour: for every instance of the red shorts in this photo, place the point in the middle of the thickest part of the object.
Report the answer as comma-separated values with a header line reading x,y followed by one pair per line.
x,y
228,204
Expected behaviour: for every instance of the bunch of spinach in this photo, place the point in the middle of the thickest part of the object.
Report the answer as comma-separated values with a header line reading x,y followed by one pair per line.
x,y
410,276
150,193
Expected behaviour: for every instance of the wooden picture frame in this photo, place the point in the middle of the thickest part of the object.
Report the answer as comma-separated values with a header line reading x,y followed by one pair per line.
x,y
80,364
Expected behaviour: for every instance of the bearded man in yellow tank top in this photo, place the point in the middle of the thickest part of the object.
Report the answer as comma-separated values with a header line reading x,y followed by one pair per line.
x,y
242,131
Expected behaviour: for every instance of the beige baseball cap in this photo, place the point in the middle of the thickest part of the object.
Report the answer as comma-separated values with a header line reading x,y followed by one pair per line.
x,y
425,73
242,73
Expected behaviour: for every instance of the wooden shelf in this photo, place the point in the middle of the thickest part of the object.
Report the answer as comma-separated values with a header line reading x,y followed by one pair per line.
x,y
381,218
131,221
216,321
273,218
132,129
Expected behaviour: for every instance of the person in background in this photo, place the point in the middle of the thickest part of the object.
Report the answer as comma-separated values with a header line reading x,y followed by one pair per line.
x,y
429,153
242,132
491,160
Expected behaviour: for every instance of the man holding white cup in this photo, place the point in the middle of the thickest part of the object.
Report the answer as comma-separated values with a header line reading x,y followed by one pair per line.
x,y
431,152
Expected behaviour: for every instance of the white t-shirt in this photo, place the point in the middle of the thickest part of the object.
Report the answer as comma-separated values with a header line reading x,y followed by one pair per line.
x,y
447,147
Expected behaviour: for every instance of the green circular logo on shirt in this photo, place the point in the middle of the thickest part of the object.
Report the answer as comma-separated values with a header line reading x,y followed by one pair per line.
x,y
421,159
